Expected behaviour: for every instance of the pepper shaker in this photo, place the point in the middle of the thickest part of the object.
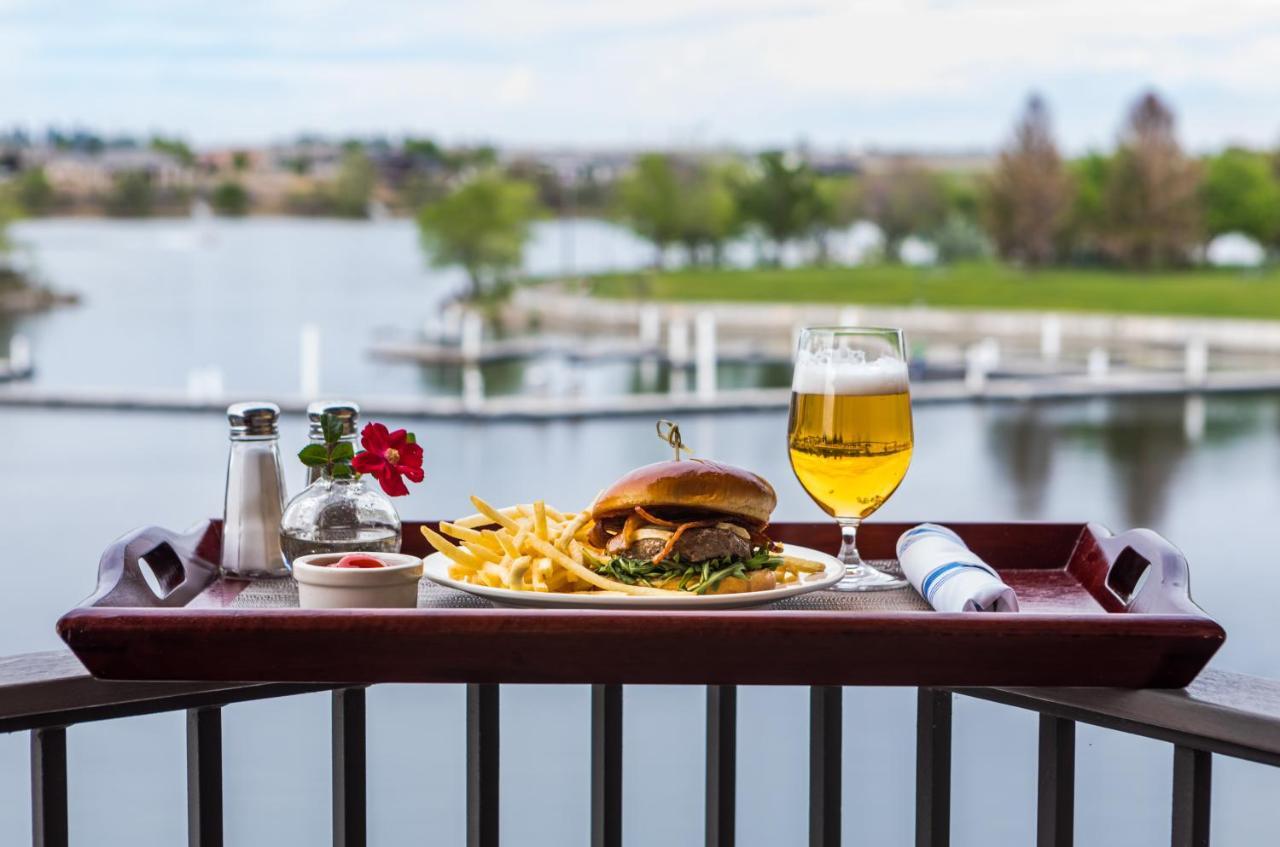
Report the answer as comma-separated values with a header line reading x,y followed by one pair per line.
x,y
255,494
345,411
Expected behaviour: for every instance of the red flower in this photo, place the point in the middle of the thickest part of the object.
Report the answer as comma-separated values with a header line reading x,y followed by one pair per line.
x,y
389,456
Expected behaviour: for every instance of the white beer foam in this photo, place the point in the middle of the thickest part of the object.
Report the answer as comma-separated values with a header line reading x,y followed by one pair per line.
x,y
849,374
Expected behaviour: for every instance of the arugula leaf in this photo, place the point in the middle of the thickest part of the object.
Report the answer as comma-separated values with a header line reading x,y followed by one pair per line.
x,y
696,578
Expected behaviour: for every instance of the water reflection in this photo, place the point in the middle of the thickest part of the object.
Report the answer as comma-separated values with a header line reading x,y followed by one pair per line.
x,y
1144,445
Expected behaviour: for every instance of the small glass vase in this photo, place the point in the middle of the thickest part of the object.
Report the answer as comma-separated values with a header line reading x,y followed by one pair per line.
x,y
339,516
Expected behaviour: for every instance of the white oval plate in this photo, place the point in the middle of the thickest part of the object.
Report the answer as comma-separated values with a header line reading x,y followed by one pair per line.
x,y
436,569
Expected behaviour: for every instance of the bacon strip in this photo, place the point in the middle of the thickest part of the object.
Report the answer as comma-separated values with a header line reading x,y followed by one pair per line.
x,y
654,520
598,536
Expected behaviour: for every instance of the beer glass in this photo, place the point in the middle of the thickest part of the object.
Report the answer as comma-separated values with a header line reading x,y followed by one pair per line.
x,y
849,434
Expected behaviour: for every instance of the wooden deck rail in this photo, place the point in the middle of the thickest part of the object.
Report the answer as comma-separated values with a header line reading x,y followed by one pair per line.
x,y
1220,713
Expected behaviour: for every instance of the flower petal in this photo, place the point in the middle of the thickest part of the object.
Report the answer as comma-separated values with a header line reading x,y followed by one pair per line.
x,y
415,474
393,485
397,439
411,455
375,438
368,463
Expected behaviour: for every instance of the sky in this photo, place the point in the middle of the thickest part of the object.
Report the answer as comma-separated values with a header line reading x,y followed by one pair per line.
x,y
844,74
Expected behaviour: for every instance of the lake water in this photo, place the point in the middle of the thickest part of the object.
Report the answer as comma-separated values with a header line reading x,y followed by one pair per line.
x,y
159,301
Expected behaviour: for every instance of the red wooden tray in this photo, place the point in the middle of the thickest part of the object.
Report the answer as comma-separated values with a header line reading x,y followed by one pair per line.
x,y
1097,610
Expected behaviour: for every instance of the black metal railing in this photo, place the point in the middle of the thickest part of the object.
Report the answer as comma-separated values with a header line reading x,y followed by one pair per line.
x,y
1220,713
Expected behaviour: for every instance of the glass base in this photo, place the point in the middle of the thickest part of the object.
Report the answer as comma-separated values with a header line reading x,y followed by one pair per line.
x,y
863,577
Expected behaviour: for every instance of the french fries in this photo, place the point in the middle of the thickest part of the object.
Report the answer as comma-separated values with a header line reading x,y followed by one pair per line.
x,y
536,547
528,547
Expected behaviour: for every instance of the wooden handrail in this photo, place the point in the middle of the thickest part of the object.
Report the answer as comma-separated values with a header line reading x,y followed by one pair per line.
x,y
1230,713
1221,712
52,689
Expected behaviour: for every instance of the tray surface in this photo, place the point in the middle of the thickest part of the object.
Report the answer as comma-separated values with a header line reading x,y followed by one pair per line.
x,y
1096,609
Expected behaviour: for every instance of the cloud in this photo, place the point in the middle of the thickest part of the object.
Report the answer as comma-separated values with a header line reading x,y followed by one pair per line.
x,y
922,72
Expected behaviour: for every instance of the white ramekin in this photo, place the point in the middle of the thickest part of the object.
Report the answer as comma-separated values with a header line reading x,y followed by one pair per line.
x,y
392,587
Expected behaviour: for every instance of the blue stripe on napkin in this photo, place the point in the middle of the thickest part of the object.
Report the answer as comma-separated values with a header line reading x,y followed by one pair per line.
x,y
911,536
942,573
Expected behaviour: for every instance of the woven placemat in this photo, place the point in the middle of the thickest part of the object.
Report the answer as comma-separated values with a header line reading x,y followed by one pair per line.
x,y
283,593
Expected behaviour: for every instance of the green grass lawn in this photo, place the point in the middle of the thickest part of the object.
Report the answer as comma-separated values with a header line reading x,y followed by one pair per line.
x,y
1224,293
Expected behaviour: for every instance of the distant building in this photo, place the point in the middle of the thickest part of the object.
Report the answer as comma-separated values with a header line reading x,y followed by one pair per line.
x,y
82,174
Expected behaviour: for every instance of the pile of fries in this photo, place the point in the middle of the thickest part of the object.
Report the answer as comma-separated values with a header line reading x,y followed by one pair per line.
x,y
536,547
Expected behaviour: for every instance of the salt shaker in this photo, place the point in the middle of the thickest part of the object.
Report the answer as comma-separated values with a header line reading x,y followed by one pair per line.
x,y
343,410
255,494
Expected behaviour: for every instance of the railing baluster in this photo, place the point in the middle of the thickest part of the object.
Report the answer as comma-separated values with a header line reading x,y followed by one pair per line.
x,y
1056,783
1192,789
482,765
722,764
349,777
824,765
49,787
204,777
933,768
606,766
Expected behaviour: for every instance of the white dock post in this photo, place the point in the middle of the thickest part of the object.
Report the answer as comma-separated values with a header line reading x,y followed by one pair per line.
x,y
705,372
1099,363
472,388
1050,338
309,367
975,369
204,383
19,355
850,317
472,336
213,382
1196,361
650,327
1193,418
678,341
980,360
796,330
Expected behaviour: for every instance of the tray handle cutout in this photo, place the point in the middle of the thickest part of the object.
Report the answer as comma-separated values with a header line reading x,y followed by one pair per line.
x,y
1128,574
152,566
1146,573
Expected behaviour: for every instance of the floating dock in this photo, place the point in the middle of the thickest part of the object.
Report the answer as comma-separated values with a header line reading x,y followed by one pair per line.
x,y
544,408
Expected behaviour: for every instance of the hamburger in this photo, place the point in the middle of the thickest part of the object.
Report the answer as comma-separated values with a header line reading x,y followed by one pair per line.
x,y
688,525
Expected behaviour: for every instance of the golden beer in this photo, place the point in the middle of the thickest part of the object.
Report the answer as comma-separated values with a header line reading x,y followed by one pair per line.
x,y
850,451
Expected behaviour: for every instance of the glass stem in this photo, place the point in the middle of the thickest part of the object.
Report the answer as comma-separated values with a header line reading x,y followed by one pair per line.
x,y
849,542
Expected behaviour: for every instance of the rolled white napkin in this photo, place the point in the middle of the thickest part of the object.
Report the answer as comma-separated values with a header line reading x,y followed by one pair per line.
x,y
948,575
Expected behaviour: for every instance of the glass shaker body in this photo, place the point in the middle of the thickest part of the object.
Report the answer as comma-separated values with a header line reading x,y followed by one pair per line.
x,y
346,411
255,495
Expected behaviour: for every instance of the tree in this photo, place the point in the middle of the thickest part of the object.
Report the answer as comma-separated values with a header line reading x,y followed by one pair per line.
x,y
132,195
230,198
482,225
1241,194
175,147
784,199
10,211
903,200
352,189
708,211
1086,222
1152,195
1029,195
34,193
649,200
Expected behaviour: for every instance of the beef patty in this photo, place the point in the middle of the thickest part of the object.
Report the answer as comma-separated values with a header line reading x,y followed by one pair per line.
x,y
696,544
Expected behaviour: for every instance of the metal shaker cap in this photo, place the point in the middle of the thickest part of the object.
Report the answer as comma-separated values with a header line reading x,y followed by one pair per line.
x,y
253,418
345,410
